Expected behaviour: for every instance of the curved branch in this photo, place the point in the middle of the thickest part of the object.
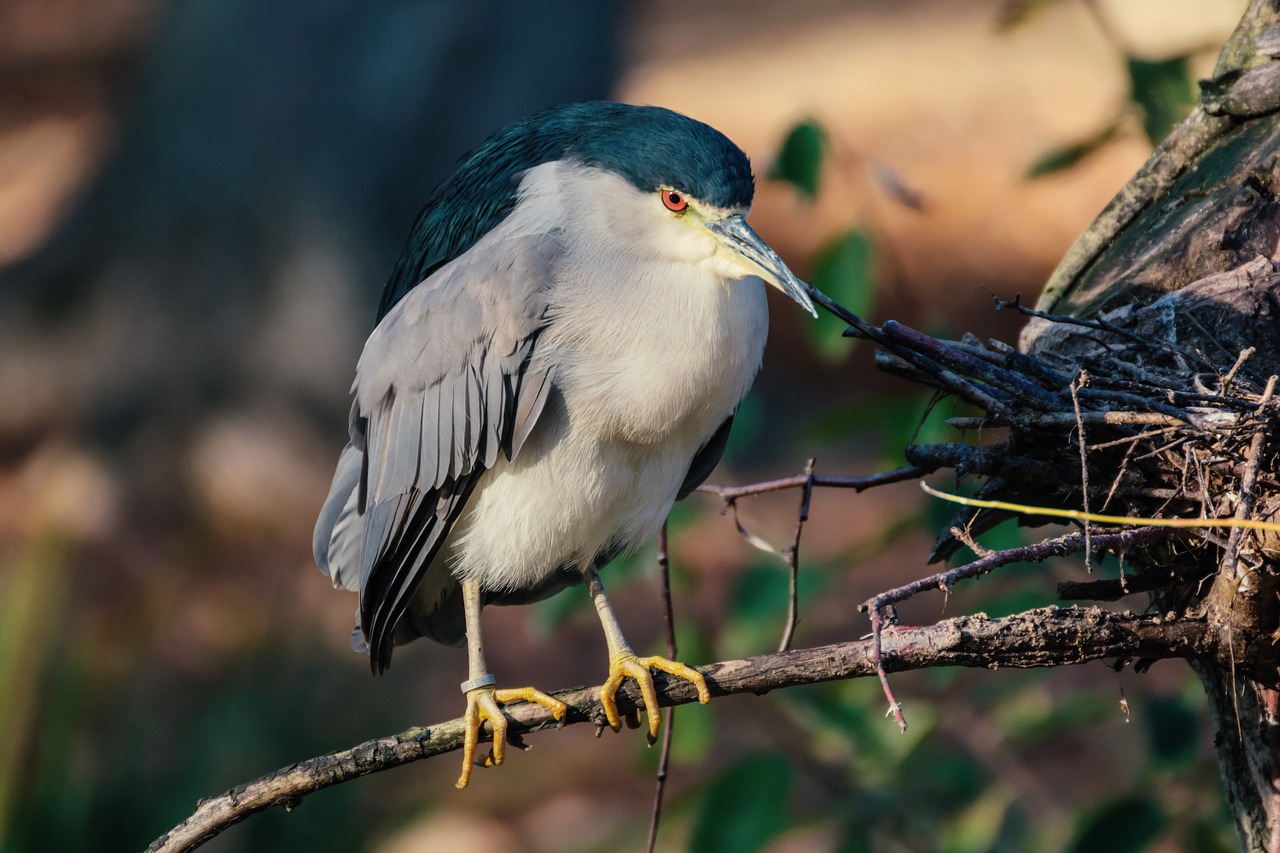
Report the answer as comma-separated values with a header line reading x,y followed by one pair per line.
x,y
1047,637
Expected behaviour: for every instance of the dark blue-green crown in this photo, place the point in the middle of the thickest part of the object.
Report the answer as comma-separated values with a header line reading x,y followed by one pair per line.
x,y
651,147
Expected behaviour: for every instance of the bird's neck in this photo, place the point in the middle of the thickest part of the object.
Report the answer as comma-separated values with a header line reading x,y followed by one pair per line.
x,y
661,348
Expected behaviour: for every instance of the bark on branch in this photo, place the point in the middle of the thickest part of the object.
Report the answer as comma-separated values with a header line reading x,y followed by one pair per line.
x,y
1047,637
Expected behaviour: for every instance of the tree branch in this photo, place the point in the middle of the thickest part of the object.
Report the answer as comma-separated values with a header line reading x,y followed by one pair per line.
x,y
1047,637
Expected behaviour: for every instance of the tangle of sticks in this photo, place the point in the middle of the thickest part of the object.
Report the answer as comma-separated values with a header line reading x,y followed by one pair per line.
x,y
1119,418
1111,415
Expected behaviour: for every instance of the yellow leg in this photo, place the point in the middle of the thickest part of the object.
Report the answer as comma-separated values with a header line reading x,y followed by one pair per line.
x,y
624,664
483,701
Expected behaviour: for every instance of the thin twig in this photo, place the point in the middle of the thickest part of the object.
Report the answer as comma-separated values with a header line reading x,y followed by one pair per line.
x,y
1080,381
806,480
962,535
792,556
882,675
1200,420
1068,320
1131,439
753,540
1248,482
1225,384
664,573
958,358
1112,589
1061,546
945,379
858,484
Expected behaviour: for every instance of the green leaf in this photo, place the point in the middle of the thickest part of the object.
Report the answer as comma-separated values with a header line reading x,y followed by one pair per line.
x,y
977,828
856,839
1031,717
852,712
1173,731
758,605
692,736
1015,13
1164,91
1211,837
1126,826
799,161
745,807
1061,159
844,270
549,615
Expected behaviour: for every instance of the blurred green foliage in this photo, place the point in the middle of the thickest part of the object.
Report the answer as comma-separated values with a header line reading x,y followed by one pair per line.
x,y
844,269
758,606
844,266
799,159
1161,93
1014,13
1125,826
745,806
1061,159
1164,92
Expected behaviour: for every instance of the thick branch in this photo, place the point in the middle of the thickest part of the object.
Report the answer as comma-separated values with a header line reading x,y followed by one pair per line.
x,y
1047,637
1179,151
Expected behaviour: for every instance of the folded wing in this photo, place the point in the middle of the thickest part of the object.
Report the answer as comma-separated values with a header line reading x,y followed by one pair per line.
x,y
450,378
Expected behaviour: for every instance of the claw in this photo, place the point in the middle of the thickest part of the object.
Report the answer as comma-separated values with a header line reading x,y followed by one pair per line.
x,y
627,665
484,703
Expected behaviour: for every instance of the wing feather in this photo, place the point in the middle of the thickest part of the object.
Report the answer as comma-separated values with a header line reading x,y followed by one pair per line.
x,y
335,525
706,459
495,411
433,440
458,422
530,398
449,379
475,419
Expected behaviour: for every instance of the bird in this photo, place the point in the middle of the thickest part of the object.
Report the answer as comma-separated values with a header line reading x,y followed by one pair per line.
x,y
558,357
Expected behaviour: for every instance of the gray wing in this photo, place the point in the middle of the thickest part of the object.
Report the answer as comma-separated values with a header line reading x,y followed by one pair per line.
x,y
449,379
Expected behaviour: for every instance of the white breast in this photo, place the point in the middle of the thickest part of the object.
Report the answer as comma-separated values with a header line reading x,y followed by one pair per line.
x,y
648,363
604,465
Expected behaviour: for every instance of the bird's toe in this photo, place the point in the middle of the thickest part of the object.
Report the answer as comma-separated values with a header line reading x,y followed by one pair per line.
x,y
485,704
626,666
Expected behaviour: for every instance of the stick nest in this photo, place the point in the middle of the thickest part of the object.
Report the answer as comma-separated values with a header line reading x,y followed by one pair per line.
x,y
1160,411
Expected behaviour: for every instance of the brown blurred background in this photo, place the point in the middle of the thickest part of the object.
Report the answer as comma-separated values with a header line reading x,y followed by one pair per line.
x,y
199,201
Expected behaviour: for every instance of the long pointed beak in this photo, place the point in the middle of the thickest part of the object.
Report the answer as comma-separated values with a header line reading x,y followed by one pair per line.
x,y
754,255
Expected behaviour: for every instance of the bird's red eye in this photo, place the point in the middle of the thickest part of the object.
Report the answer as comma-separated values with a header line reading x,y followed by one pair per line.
x,y
674,201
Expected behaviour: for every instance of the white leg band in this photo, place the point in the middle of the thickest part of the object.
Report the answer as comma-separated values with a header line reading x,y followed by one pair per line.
x,y
485,680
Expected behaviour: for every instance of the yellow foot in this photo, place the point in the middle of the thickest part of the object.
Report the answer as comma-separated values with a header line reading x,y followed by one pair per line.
x,y
483,704
627,665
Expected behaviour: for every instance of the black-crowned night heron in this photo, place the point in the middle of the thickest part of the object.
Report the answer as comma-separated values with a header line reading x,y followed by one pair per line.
x,y
559,354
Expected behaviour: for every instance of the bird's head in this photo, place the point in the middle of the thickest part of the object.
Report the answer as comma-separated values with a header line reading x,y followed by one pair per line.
x,y
674,186
650,180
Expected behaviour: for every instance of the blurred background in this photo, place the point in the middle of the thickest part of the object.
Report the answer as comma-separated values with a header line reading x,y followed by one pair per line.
x,y
199,202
